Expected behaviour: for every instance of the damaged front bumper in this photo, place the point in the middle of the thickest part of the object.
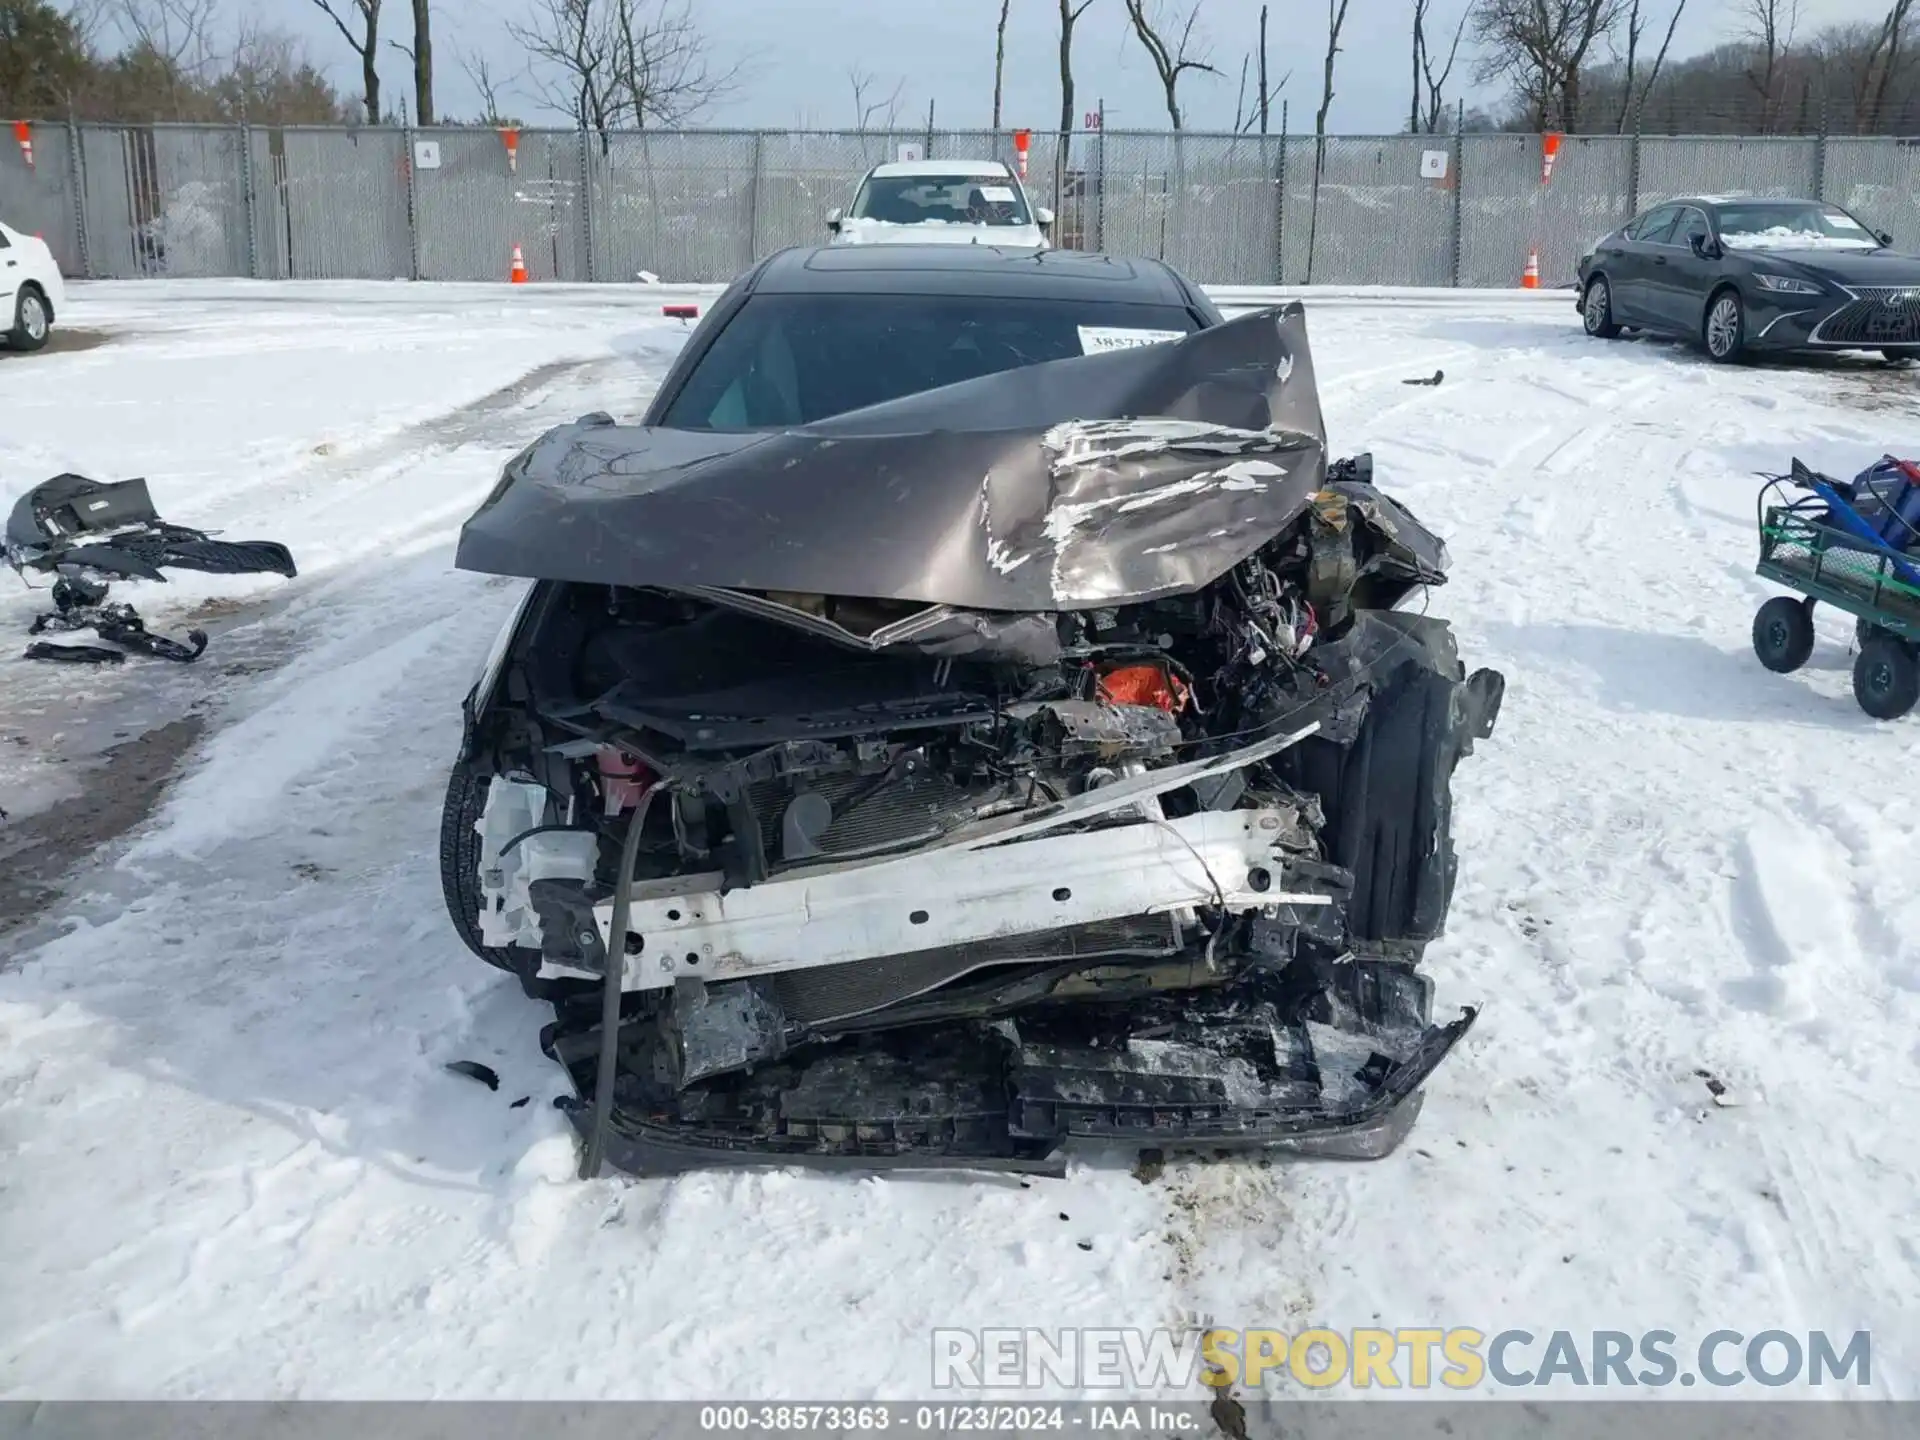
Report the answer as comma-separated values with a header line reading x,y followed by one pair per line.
x,y
1331,1070
792,1032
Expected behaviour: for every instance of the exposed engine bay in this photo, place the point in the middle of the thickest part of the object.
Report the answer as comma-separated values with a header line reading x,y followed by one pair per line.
x,y
900,879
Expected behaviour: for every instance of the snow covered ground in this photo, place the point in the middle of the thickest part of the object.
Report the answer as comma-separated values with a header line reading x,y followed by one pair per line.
x,y
233,1162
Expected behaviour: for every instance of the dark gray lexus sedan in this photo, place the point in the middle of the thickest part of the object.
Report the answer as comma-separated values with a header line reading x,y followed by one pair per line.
x,y
1747,275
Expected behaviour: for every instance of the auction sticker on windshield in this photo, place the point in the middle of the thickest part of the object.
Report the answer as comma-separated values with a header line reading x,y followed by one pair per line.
x,y
996,194
1095,339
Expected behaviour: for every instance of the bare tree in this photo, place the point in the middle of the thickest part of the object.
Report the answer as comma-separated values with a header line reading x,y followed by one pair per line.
x,y
1240,120
87,17
663,64
1883,60
364,36
1631,100
609,63
1542,48
1000,59
1770,28
422,62
887,106
1336,21
170,51
177,31
1170,60
1070,13
1266,95
570,49
1429,86
486,85
268,79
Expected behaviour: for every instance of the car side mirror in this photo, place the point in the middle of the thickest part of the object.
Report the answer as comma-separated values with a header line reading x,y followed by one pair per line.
x,y
1884,238
1703,246
833,221
1043,215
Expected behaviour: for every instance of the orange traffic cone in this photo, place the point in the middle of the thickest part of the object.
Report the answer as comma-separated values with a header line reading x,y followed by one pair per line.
x,y
1531,280
518,274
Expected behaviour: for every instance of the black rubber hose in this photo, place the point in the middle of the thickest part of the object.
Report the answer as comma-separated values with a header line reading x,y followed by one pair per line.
x,y
610,991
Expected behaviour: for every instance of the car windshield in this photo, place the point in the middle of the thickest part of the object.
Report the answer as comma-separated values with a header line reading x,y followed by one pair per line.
x,y
1792,225
940,199
794,359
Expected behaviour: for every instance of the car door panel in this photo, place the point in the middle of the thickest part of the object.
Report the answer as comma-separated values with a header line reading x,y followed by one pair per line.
x,y
11,275
1633,269
1682,282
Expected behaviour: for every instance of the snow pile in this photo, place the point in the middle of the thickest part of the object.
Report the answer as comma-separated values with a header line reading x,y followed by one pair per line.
x,y
1786,237
237,1167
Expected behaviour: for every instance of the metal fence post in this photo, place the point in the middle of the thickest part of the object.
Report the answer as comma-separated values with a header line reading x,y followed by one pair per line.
x,y
1459,189
1280,204
753,195
249,202
1099,185
1820,159
585,158
1633,169
77,186
413,218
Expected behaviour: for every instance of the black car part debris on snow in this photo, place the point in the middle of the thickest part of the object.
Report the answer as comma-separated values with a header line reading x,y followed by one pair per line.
x,y
1039,757
89,532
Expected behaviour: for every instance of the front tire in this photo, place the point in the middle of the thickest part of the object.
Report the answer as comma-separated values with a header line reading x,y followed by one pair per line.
x,y
460,881
1724,331
32,319
1886,677
1898,357
1783,634
1596,312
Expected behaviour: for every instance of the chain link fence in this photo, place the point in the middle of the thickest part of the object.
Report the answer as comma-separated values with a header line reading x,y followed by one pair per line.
x,y
700,206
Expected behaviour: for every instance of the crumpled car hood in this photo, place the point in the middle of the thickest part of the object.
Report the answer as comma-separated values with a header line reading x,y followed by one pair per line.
x,y
1075,484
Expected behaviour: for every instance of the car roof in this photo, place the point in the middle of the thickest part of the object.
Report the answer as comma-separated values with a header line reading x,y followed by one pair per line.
x,y
1710,202
939,168
1012,272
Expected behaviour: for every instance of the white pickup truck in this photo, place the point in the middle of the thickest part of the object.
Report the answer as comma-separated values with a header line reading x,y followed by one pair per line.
x,y
942,202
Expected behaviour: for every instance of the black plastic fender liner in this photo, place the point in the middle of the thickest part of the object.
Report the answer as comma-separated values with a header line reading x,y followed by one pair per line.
x,y
1385,784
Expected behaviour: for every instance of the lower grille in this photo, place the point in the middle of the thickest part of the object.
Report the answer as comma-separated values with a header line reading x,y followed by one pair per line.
x,y
1871,323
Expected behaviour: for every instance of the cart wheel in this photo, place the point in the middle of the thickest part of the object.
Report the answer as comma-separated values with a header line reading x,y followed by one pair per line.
x,y
1886,677
1783,634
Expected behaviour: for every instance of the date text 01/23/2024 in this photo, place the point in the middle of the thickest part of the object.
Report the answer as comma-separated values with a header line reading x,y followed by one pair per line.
x,y
951,1419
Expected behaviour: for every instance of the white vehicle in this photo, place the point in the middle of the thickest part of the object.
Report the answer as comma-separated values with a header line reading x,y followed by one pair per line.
x,y
942,202
31,290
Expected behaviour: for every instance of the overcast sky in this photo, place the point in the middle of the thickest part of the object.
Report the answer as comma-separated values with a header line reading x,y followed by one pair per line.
x,y
797,54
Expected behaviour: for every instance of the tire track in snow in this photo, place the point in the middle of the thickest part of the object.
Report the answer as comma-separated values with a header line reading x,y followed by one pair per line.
x,y
1603,833
1218,1206
126,710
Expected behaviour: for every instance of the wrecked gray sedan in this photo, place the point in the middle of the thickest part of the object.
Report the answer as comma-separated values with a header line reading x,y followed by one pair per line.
x,y
1041,754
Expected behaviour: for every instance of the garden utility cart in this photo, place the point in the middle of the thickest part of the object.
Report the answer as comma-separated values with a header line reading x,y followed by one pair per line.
x,y
1850,544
